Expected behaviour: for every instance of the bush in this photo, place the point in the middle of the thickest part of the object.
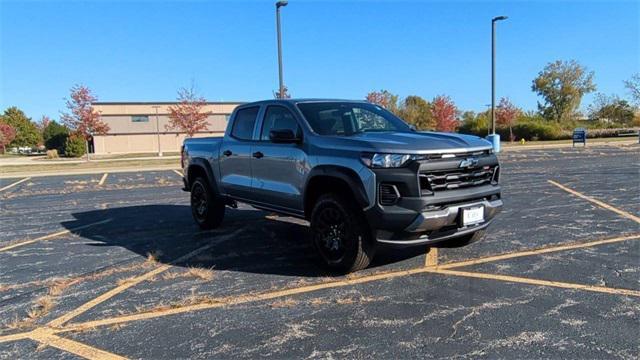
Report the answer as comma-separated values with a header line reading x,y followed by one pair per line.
x,y
55,136
74,146
537,130
52,154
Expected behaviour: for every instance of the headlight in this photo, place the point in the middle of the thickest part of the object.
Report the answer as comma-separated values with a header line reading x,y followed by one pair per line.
x,y
388,160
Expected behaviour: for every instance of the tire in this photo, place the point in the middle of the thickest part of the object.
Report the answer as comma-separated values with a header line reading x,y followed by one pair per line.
x,y
466,239
206,208
341,235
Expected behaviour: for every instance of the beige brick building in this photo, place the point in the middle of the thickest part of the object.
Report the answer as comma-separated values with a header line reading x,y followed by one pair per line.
x,y
137,127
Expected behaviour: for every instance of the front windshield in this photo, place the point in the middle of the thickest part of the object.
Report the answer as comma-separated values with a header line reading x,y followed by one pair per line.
x,y
346,119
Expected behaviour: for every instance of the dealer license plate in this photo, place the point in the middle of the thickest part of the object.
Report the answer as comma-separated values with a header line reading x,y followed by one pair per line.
x,y
472,215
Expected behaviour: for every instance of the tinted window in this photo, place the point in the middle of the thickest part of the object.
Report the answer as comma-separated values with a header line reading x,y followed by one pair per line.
x,y
244,122
277,117
344,118
139,118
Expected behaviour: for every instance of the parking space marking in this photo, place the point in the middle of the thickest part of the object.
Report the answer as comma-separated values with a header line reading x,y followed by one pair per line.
x,y
523,280
539,251
178,172
431,259
71,346
14,184
597,202
135,281
51,236
102,179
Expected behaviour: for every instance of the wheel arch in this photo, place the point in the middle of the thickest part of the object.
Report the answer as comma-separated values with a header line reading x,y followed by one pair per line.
x,y
331,178
201,167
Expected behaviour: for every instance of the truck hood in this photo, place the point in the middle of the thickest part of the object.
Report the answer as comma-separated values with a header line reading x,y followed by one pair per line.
x,y
414,142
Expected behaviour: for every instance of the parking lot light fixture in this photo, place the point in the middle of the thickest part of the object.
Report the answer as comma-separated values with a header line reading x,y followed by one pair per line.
x,y
280,4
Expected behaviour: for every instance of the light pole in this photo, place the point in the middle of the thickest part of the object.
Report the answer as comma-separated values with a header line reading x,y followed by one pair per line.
x,y
158,129
495,139
280,4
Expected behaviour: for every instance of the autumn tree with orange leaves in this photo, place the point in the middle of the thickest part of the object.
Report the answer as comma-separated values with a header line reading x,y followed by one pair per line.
x,y
385,99
82,118
188,115
445,113
506,115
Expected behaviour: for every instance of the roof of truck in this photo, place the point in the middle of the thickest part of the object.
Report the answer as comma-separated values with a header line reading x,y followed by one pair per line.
x,y
302,100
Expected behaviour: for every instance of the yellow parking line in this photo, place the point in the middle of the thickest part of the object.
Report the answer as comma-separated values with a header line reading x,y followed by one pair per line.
x,y
539,251
14,337
14,184
50,236
135,281
431,259
523,280
178,172
597,202
74,347
104,177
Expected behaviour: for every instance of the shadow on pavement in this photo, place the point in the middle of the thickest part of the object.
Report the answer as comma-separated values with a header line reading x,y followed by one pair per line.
x,y
266,245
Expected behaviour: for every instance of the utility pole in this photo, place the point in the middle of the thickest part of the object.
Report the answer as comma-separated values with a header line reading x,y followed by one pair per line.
x,y
158,129
280,4
494,138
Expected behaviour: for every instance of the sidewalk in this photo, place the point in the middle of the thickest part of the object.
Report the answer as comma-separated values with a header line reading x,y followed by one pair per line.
x,y
40,160
590,142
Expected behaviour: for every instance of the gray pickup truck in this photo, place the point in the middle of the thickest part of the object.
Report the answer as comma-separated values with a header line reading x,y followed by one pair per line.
x,y
359,174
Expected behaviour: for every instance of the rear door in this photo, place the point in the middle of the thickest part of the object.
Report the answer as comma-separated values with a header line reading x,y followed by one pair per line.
x,y
279,170
235,153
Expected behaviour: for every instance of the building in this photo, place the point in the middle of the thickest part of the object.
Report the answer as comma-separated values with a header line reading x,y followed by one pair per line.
x,y
141,127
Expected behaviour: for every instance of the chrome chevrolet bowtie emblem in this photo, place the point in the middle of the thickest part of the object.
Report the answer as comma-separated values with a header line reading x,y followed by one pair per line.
x,y
468,163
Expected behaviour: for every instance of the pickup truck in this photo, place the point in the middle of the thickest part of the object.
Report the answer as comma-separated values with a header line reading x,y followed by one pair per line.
x,y
360,175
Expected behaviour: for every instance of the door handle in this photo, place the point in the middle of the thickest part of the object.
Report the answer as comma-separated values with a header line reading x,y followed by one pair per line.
x,y
227,153
258,154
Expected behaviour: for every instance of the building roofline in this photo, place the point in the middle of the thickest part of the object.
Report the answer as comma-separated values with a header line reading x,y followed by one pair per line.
x,y
164,102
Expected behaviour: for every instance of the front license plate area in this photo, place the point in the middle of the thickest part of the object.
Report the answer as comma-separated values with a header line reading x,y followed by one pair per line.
x,y
472,215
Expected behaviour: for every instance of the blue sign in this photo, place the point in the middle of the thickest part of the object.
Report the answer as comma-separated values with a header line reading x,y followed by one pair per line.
x,y
580,136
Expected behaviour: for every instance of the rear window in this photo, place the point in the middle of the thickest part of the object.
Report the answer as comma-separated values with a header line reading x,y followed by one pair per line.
x,y
244,122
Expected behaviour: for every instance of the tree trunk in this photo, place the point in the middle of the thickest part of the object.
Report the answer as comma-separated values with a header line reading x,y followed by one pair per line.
x,y
86,149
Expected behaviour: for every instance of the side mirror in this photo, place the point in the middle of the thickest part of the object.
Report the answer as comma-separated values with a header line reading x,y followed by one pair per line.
x,y
285,136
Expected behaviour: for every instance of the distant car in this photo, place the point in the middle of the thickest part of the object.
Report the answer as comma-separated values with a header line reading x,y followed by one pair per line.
x,y
358,173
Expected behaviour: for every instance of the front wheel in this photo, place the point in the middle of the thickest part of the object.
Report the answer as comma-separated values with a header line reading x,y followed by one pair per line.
x,y
206,208
341,235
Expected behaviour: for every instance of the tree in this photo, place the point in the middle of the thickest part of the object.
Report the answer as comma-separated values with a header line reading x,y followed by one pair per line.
x,y
506,115
7,134
562,84
82,118
43,123
416,110
633,85
611,109
188,115
385,99
444,111
75,145
55,136
27,133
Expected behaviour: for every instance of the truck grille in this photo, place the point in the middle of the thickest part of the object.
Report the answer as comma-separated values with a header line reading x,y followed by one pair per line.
x,y
456,179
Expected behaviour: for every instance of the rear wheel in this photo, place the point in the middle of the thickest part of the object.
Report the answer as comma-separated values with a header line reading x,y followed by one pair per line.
x,y
206,208
341,235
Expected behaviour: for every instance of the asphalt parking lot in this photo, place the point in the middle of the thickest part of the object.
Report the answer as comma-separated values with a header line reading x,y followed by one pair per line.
x,y
109,266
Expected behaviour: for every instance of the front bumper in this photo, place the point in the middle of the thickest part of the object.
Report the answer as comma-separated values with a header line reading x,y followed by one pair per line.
x,y
432,227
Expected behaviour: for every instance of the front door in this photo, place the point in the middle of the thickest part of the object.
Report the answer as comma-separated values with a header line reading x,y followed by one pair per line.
x,y
235,154
279,170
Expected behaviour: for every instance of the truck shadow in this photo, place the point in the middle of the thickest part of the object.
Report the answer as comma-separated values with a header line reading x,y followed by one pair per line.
x,y
248,240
